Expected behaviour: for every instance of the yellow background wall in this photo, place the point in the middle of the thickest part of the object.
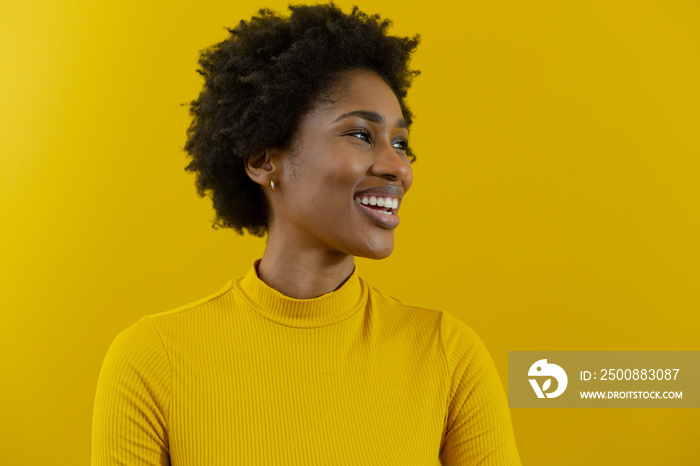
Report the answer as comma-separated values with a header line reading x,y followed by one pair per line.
x,y
555,204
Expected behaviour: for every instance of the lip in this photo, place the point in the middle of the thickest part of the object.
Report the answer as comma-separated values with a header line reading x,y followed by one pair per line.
x,y
387,222
386,190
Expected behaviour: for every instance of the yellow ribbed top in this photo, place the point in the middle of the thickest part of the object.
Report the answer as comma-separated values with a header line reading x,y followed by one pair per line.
x,y
249,376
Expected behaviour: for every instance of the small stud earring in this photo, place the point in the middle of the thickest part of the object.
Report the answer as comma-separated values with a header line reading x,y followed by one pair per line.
x,y
272,185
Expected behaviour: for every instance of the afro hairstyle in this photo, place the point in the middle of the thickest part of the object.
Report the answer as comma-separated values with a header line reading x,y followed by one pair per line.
x,y
263,79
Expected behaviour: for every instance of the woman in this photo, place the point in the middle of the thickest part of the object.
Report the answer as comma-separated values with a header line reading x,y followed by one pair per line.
x,y
301,133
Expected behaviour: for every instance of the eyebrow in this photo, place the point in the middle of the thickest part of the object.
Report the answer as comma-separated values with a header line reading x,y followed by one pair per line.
x,y
370,116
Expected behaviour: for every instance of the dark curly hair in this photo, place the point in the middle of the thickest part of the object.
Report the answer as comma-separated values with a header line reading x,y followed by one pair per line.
x,y
263,79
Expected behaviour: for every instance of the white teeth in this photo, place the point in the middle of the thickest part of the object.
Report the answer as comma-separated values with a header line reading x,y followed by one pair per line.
x,y
388,202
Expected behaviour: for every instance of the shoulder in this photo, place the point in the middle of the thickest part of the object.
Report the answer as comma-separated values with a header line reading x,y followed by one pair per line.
x,y
399,310
137,356
213,300
133,389
464,354
161,328
459,339
453,330
148,336
455,337
136,369
138,339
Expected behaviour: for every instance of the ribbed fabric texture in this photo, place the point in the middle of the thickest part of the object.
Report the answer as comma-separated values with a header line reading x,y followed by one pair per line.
x,y
249,376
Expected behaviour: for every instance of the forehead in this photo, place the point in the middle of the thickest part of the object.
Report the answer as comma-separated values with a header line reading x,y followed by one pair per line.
x,y
360,90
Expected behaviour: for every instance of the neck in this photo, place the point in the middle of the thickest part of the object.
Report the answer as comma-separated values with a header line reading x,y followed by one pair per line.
x,y
303,274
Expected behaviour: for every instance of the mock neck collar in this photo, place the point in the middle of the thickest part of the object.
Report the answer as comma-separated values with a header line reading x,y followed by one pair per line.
x,y
323,310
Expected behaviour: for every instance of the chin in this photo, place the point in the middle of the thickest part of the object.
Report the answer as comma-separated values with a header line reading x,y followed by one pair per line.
x,y
375,255
381,250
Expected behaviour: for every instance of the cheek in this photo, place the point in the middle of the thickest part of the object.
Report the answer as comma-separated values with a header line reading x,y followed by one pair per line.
x,y
337,181
329,188
348,170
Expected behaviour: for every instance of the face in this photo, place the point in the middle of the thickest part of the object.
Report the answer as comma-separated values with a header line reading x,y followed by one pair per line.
x,y
342,183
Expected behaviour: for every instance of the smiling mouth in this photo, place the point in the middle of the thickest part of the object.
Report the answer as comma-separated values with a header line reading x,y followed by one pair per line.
x,y
384,205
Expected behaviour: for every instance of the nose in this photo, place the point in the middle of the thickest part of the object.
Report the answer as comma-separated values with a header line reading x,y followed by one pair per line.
x,y
391,165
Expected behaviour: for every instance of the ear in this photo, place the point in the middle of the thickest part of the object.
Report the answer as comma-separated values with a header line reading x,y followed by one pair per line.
x,y
263,167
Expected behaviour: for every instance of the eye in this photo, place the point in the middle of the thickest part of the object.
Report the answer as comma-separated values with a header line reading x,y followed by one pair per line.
x,y
401,144
361,134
